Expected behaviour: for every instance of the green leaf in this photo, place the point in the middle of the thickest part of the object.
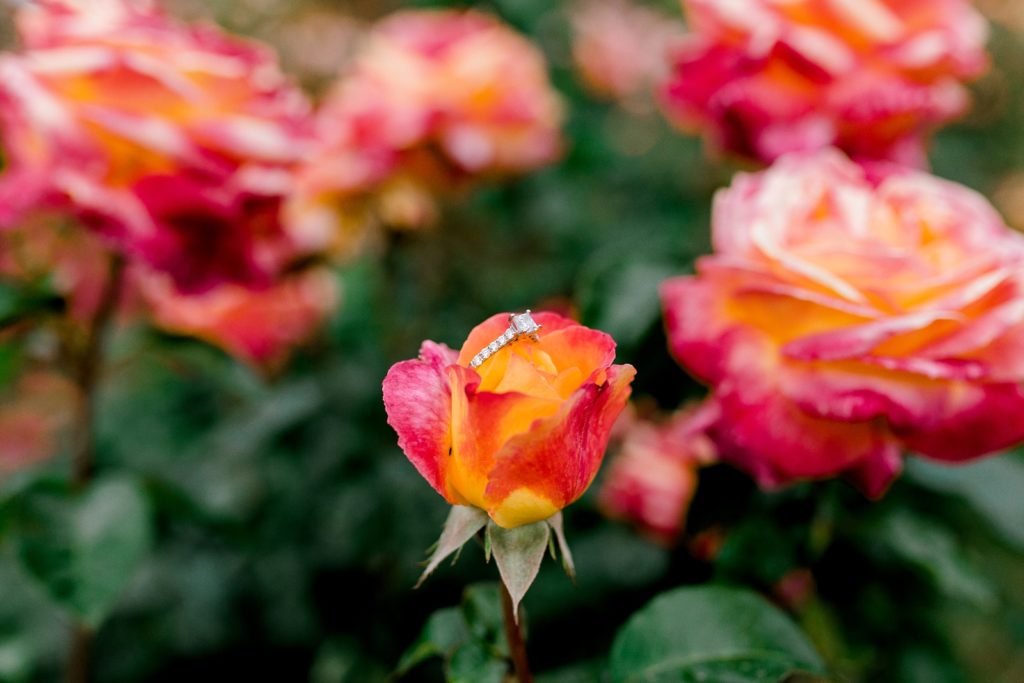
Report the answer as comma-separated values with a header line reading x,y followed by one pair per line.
x,y
481,605
83,548
10,303
10,362
475,663
470,638
936,551
445,631
17,303
991,486
710,633
622,299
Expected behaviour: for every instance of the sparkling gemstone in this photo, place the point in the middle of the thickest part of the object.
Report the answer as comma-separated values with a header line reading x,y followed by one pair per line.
x,y
492,347
523,323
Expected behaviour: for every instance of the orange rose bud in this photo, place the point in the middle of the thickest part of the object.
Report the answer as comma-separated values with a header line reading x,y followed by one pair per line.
x,y
523,434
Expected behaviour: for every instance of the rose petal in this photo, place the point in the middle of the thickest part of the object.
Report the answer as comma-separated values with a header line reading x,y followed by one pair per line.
x,y
560,455
418,402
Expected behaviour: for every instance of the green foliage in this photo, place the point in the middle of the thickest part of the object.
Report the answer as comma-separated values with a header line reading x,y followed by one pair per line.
x,y
83,547
710,633
469,638
991,487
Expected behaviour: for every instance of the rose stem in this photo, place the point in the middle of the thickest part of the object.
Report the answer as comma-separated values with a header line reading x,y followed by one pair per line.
x,y
86,369
514,634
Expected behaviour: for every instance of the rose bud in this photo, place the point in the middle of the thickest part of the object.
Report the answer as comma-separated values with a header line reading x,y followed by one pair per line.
x,y
523,435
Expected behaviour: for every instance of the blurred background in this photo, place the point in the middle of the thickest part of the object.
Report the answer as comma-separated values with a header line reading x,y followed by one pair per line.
x,y
282,529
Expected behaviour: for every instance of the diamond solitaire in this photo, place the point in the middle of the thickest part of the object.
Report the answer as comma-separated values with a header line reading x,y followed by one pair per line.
x,y
519,325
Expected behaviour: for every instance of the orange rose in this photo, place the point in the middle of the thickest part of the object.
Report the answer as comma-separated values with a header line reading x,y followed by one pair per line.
x,y
523,435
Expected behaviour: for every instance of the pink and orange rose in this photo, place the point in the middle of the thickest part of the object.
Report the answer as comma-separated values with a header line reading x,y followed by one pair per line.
x,y
524,435
437,99
845,318
762,78
653,479
175,142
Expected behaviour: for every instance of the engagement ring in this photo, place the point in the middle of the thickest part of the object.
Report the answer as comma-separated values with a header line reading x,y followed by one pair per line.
x,y
519,325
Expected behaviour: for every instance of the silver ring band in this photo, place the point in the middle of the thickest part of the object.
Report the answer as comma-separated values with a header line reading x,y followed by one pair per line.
x,y
519,325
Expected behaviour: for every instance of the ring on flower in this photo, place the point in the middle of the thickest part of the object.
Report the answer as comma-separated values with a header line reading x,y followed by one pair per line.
x,y
519,325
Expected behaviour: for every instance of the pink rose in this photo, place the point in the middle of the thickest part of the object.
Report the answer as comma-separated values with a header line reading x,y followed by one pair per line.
x,y
653,478
873,77
176,142
621,48
843,319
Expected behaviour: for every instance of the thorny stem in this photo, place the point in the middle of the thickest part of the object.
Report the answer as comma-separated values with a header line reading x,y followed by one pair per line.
x,y
514,634
86,367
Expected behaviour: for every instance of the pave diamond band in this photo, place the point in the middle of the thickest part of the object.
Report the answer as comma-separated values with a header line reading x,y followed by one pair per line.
x,y
519,325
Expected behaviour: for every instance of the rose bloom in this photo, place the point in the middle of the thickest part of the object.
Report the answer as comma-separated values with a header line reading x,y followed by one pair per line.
x,y
765,77
436,99
523,435
844,318
175,142
653,478
620,48
257,326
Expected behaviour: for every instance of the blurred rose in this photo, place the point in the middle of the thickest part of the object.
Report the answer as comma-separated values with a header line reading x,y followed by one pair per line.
x,y
437,98
795,589
765,77
654,476
842,319
176,142
33,413
521,437
257,326
620,48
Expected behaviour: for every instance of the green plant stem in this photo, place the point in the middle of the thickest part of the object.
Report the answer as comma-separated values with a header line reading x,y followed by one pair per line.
x,y
87,368
514,635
